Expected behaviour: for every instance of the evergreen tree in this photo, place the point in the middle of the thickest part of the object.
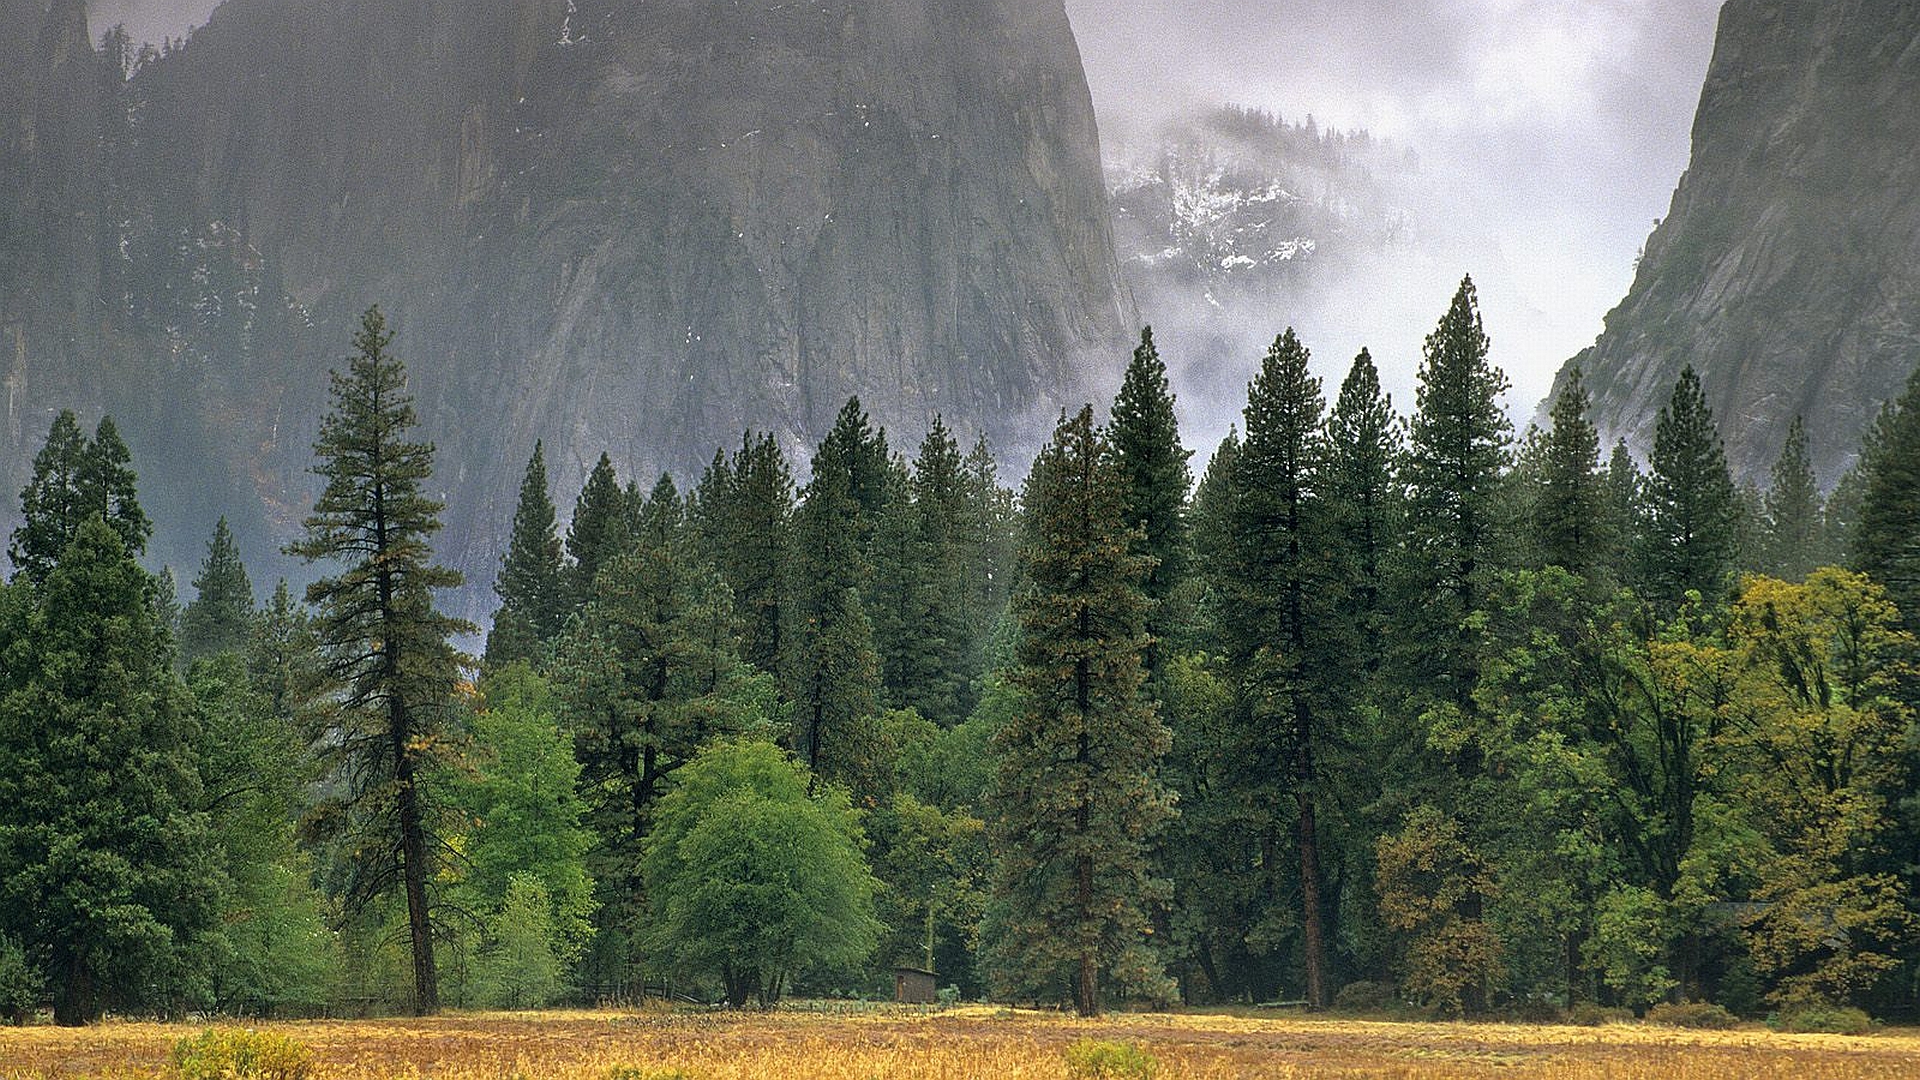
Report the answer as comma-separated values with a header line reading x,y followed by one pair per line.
x,y
1793,517
856,449
52,503
1458,449
742,513
830,672
1622,504
73,479
1079,802
935,666
532,584
1286,654
1886,546
1363,447
107,487
107,872
601,527
386,644
1691,509
990,530
1569,511
645,674
220,619
1146,445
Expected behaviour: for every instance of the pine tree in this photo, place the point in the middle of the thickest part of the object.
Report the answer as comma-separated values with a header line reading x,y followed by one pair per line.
x,y
990,530
1078,796
1691,507
1886,546
1621,503
220,619
1285,651
935,667
108,488
106,867
742,513
830,670
859,451
1364,500
1793,511
1458,449
1146,444
74,479
601,528
1569,511
386,644
52,502
532,584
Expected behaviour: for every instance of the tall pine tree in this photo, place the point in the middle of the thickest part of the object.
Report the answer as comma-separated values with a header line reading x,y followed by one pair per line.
x,y
1569,508
532,584
1793,513
1364,445
1146,446
73,479
1078,796
601,527
1458,448
742,515
386,645
1691,509
1287,657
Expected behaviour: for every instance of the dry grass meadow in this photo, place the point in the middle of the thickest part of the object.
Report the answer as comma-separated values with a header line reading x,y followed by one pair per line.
x,y
976,1042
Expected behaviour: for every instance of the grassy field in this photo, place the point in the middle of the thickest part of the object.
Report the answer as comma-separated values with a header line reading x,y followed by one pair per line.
x,y
977,1042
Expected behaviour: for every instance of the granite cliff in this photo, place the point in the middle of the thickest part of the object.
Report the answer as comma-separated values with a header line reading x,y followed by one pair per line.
x,y
1788,270
640,228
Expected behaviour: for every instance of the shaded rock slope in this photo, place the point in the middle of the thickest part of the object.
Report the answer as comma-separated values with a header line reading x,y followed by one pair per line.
x,y
1788,269
637,227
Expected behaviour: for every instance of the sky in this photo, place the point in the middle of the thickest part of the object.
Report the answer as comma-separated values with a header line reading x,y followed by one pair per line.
x,y
1553,131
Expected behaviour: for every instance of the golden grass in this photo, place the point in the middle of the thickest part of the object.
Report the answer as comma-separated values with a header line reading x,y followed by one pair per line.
x,y
981,1042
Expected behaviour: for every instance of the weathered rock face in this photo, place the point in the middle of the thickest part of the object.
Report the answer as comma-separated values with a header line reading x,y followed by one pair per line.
x,y
1788,271
637,227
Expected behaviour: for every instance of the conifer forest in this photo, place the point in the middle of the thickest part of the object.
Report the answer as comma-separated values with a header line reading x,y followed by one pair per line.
x,y
1374,705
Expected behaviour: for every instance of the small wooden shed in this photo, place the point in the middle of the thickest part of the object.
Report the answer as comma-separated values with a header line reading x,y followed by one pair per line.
x,y
914,986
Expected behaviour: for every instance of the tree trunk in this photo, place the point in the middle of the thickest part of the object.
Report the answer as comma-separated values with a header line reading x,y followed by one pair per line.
x,y
413,858
1312,929
74,1004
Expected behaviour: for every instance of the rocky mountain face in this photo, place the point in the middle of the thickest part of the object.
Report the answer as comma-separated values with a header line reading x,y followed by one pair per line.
x,y
1233,224
1788,270
633,227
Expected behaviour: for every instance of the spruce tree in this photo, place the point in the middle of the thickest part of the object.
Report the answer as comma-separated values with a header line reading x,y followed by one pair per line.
x,y
1363,450
1569,509
830,671
1078,797
51,504
644,675
601,528
73,479
1886,545
220,618
107,871
386,644
859,451
1622,505
108,487
990,530
1691,509
742,514
1146,445
1286,654
532,584
1458,448
1793,511
937,670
